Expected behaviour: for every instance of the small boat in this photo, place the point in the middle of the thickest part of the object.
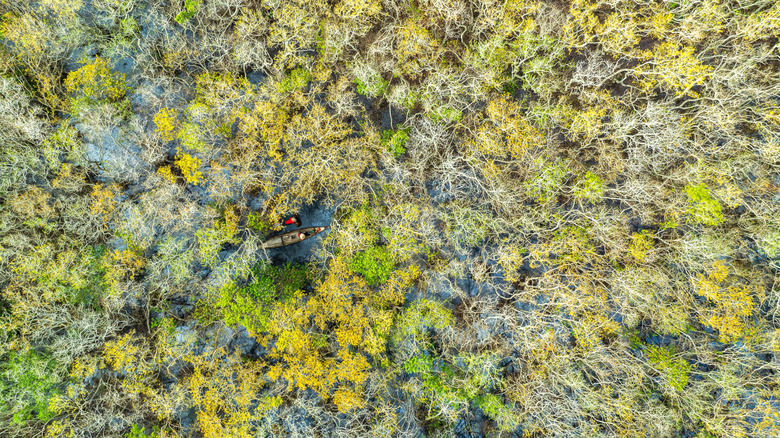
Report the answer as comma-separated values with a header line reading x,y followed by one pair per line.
x,y
292,237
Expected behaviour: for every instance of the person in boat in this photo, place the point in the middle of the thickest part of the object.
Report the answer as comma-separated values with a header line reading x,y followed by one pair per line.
x,y
302,235
293,220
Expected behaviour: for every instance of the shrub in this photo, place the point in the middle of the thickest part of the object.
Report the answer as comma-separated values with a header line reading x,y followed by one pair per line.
x,y
589,187
27,382
191,7
251,304
259,223
676,371
166,120
395,140
640,246
375,265
137,431
702,207
295,80
96,82
189,165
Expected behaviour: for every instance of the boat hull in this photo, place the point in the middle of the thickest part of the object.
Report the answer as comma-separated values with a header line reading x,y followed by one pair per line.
x,y
291,238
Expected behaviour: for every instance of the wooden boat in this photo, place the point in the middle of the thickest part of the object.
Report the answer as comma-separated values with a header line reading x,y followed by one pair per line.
x,y
292,237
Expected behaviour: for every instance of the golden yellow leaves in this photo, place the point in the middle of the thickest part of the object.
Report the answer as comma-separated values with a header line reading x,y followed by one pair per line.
x,y
417,48
511,260
189,165
268,121
358,10
122,265
659,24
165,120
96,81
506,133
126,354
322,342
62,9
674,67
640,246
762,25
619,33
224,392
30,35
34,201
104,200
732,306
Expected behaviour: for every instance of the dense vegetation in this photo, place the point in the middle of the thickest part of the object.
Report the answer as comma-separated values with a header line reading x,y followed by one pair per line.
x,y
550,218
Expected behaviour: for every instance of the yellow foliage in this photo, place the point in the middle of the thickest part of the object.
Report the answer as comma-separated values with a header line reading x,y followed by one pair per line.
x,y
165,120
619,32
347,399
96,81
34,201
83,367
69,178
511,260
674,67
762,25
416,47
104,200
63,9
223,390
640,246
358,10
167,173
189,167
591,327
121,265
587,123
659,24
125,354
268,121
506,133
728,191
393,292
31,37
732,306
60,429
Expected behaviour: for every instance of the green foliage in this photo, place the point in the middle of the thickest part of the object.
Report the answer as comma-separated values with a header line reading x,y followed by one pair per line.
x,y
137,431
444,114
547,182
421,315
27,382
165,325
94,85
469,226
640,246
375,264
675,370
251,304
362,220
395,140
418,364
191,7
702,207
295,80
505,194
210,241
259,223
493,406
589,188
372,85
